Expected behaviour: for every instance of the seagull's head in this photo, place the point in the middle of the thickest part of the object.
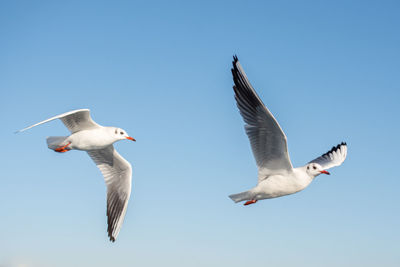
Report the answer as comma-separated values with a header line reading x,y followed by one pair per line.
x,y
121,134
314,169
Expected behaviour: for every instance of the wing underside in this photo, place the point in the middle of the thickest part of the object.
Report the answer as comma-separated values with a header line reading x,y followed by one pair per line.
x,y
268,141
117,174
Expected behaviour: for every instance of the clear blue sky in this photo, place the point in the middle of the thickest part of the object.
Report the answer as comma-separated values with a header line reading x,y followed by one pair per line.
x,y
328,71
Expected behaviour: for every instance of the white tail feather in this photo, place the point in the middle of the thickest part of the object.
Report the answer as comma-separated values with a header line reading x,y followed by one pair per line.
x,y
54,142
240,197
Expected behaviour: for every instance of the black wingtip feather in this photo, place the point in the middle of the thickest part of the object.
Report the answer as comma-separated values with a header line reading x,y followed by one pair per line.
x,y
335,148
246,97
115,206
234,68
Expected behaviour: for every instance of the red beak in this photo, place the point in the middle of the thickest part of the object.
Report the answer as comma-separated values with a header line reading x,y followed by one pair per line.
x,y
131,138
325,172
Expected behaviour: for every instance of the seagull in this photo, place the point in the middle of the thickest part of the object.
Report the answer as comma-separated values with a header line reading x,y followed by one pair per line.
x,y
276,175
98,141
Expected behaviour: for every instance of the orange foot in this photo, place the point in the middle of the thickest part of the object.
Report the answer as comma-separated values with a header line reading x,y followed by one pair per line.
x,y
63,148
250,202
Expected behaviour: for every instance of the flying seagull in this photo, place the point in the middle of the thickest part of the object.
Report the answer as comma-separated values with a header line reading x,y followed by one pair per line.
x,y
276,175
98,141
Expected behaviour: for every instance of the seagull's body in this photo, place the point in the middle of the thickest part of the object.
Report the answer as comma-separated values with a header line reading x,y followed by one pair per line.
x,y
276,175
93,139
98,141
278,185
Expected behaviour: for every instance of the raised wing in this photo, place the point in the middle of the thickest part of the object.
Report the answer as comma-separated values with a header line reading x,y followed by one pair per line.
x,y
267,139
333,157
117,174
75,121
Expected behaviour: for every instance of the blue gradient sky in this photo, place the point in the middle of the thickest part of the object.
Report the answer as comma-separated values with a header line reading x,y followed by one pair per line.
x,y
328,71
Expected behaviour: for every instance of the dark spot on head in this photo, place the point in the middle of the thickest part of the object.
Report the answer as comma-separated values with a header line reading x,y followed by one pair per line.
x,y
308,167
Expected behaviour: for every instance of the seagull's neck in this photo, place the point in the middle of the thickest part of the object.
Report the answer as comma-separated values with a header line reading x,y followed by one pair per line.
x,y
302,175
110,130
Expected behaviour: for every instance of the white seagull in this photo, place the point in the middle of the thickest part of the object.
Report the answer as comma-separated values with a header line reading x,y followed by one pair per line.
x,y
98,141
276,175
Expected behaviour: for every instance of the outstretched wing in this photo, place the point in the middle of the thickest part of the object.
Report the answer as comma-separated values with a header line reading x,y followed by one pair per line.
x,y
267,139
75,121
333,157
117,174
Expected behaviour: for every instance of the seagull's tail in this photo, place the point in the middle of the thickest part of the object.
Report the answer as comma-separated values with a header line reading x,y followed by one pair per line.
x,y
241,196
54,142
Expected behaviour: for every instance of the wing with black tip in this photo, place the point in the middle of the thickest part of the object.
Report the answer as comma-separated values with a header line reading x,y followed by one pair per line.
x,y
333,157
117,174
268,141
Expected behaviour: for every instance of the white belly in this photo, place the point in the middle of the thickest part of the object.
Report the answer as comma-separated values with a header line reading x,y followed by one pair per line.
x,y
90,139
279,185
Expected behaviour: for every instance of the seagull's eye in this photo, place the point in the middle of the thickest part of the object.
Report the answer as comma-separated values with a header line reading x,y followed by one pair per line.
x,y
314,167
121,132
308,167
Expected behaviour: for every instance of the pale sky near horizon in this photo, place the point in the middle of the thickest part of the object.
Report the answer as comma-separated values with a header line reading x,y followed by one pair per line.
x,y
328,71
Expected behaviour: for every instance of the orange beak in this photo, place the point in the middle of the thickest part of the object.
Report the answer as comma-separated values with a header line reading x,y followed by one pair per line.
x,y
131,138
325,172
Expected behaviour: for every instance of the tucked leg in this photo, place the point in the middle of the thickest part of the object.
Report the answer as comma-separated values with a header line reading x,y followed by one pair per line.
x,y
250,202
62,149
